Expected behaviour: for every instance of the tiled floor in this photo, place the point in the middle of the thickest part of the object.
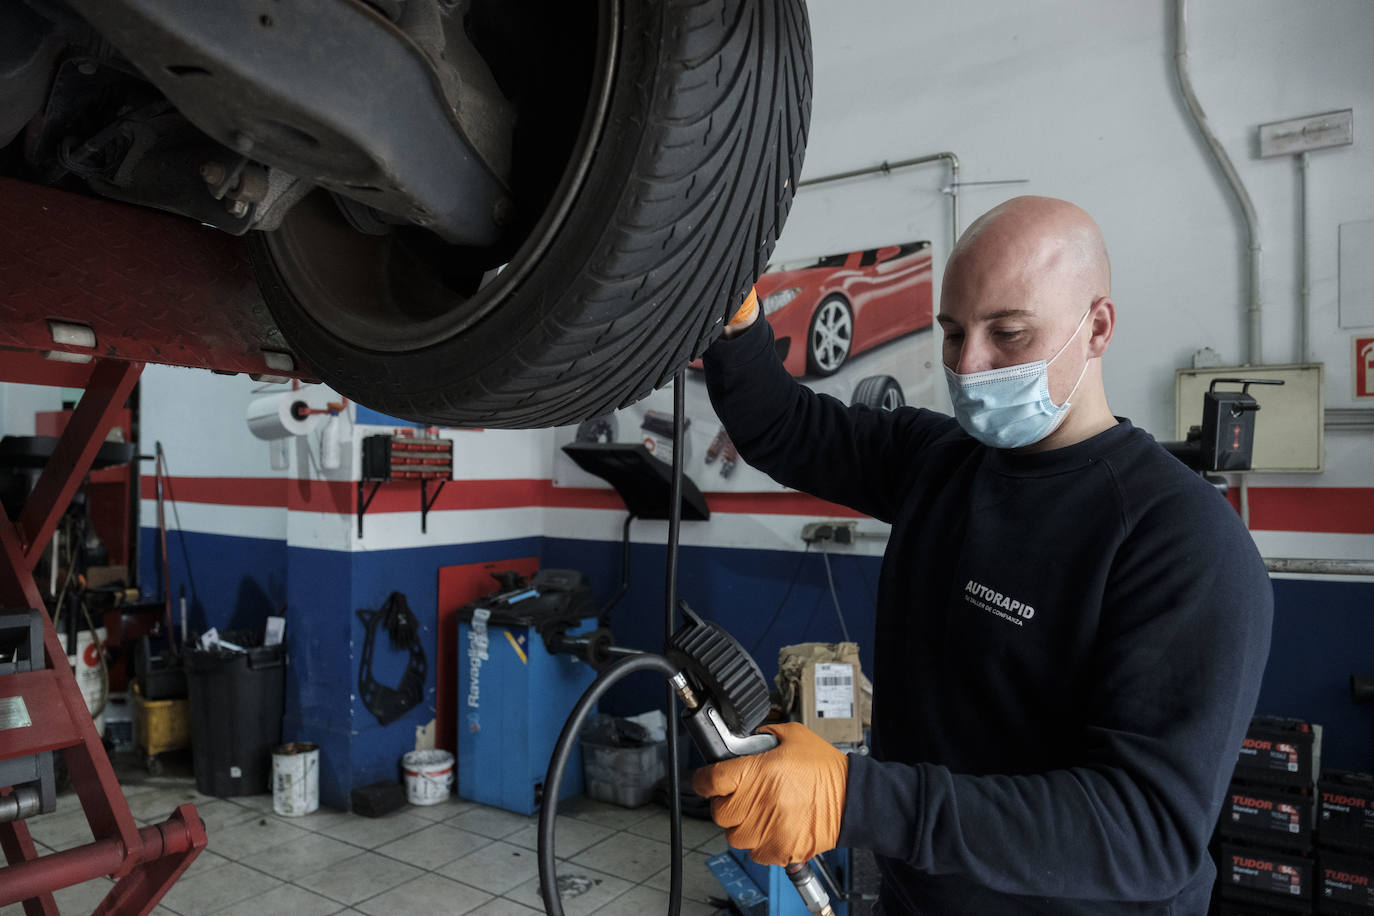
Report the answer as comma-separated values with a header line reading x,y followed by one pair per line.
x,y
457,857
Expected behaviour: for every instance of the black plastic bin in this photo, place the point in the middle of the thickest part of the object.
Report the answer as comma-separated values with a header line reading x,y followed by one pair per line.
x,y
237,699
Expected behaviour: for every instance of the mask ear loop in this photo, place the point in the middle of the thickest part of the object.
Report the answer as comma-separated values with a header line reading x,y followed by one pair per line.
x,y
1068,401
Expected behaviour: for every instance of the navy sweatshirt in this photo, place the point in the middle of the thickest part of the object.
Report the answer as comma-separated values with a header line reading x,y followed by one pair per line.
x,y
1069,647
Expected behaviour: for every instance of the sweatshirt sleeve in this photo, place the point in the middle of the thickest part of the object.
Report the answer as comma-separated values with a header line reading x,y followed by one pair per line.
x,y
1182,643
808,441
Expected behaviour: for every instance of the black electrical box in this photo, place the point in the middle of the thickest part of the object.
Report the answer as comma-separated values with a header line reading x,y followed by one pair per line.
x,y
1228,425
1226,439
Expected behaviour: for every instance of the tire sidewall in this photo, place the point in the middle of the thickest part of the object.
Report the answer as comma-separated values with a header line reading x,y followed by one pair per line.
x,y
489,363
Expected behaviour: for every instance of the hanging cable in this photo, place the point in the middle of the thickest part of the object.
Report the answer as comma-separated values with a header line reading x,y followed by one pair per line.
x,y
787,593
669,627
181,533
825,555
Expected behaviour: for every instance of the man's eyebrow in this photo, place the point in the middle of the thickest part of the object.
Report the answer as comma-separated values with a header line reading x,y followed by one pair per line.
x,y
1004,313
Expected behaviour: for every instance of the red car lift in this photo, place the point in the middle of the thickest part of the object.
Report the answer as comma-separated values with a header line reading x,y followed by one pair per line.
x,y
144,862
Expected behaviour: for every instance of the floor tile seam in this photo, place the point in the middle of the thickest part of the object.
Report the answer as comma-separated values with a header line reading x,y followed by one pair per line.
x,y
394,858
587,820
240,862
220,909
356,903
341,840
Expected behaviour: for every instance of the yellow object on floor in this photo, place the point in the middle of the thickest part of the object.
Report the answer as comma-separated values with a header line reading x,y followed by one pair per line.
x,y
161,725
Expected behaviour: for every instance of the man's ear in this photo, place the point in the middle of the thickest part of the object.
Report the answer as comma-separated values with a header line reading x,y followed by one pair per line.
x,y
1103,324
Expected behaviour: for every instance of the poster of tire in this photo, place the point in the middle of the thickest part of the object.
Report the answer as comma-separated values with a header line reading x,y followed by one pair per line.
x,y
856,326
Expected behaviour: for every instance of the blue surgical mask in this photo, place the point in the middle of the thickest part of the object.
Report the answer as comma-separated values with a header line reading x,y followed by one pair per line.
x,y
1010,407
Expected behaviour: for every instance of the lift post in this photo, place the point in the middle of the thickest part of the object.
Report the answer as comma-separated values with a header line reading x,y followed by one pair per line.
x,y
144,862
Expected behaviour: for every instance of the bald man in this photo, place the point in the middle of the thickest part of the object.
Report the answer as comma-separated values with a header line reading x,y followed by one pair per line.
x,y
1070,627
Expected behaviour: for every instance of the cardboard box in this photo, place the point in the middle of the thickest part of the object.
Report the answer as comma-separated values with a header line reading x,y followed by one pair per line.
x,y
824,688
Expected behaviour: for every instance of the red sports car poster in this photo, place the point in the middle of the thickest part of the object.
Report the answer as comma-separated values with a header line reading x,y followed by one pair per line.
x,y
855,326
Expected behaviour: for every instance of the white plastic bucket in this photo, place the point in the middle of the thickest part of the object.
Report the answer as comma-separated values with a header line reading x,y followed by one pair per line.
x,y
295,779
429,776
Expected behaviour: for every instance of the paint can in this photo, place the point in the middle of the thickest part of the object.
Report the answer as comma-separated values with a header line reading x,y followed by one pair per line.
x,y
429,776
295,778
89,672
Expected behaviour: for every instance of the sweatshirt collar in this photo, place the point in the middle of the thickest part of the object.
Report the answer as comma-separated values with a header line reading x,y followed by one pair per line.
x,y
1059,460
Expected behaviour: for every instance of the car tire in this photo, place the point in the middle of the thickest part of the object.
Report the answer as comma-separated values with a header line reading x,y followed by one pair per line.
x,y
678,184
829,337
881,392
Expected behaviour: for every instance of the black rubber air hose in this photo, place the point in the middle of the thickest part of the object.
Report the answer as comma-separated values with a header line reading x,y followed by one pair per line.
x,y
567,740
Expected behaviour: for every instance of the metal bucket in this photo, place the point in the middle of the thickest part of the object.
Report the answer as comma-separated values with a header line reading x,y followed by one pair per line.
x,y
295,779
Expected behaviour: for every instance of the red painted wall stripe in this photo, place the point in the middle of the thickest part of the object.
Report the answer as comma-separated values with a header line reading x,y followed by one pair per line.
x,y
1336,510
219,491
341,496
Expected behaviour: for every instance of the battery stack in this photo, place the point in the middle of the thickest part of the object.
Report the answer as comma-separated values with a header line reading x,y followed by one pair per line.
x,y
1265,841
1345,857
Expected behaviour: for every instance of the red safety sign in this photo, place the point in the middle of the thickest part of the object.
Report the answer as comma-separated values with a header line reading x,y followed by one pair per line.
x,y
1364,366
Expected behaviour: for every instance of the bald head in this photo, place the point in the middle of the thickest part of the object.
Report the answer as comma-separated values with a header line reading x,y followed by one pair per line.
x,y
1046,248
1030,281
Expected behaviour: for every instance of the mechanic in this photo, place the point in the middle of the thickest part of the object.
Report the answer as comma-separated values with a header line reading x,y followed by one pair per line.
x,y
1071,626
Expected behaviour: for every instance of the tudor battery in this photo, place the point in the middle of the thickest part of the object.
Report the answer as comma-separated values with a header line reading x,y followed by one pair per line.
x,y
1280,752
513,694
1268,815
1345,810
1345,884
1243,908
1263,876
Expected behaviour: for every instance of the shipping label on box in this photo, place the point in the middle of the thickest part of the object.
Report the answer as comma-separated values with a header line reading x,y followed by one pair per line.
x,y
834,688
828,701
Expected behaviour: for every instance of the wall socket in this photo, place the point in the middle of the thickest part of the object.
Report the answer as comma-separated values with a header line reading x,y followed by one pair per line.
x,y
836,532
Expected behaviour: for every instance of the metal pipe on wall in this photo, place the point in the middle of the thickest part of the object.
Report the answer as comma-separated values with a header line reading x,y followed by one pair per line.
x,y
885,167
1254,338
1304,294
1326,567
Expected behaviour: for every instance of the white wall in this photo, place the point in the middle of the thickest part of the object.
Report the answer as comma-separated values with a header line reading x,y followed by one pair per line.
x,y
200,419
1080,97
18,404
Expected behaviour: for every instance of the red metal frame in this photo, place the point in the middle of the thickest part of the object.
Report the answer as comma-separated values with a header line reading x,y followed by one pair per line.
x,y
152,287
144,862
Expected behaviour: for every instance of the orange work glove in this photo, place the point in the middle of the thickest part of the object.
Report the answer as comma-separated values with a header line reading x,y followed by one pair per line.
x,y
744,315
783,805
